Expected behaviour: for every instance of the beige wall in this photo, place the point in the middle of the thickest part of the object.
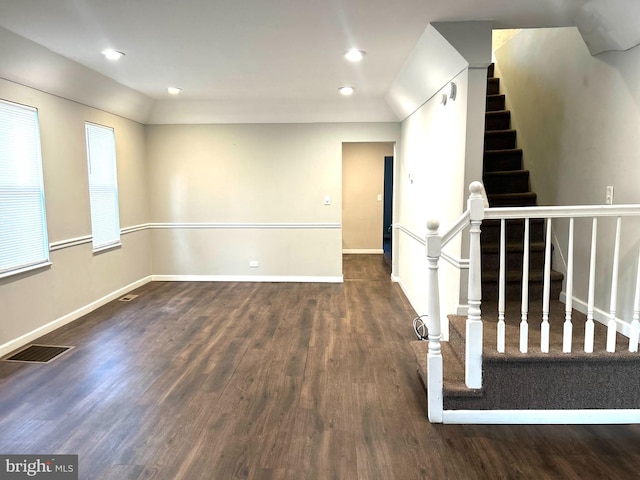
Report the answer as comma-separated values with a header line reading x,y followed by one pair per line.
x,y
362,183
226,195
49,297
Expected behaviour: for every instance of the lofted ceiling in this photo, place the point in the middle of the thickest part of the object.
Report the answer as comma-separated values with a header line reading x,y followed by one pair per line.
x,y
252,60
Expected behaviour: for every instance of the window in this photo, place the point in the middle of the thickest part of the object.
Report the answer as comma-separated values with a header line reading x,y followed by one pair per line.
x,y
103,186
23,226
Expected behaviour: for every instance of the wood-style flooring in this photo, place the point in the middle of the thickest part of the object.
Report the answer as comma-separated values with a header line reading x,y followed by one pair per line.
x,y
270,381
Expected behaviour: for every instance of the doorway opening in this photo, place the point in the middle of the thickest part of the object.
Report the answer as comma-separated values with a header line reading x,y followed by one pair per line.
x,y
367,193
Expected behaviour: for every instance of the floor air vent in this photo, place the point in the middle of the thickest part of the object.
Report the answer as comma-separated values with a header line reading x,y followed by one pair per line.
x,y
38,354
127,298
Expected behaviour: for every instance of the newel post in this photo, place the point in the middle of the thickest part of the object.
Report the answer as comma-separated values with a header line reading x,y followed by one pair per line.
x,y
473,348
434,355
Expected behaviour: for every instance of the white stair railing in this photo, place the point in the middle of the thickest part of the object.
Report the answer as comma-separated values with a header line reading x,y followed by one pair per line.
x,y
571,213
433,243
473,334
474,215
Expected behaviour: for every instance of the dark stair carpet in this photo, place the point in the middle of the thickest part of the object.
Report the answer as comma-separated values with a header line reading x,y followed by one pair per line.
x,y
507,184
536,380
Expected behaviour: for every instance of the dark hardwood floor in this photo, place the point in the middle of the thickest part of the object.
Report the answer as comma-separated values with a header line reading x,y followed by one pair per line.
x,y
270,381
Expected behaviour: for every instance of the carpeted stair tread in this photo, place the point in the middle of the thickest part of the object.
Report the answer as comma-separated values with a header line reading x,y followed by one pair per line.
x,y
453,378
513,380
556,326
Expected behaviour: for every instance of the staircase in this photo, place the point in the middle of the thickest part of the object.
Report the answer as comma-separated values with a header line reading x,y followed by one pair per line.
x,y
507,185
536,380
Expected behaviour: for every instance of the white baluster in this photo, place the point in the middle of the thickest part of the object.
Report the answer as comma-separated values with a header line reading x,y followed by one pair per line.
x,y
611,324
473,344
589,326
524,326
634,338
434,355
546,291
501,287
567,333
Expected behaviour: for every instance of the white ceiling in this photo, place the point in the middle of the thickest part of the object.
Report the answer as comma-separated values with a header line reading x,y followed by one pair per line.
x,y
283,57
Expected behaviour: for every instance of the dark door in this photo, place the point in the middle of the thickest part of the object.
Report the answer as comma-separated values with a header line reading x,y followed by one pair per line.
x,y
387,208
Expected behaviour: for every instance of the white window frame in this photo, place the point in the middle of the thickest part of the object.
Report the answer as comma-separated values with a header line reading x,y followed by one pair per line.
x,y
103,186
24,243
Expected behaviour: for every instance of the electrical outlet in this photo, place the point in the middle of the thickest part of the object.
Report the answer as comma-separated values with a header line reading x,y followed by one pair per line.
x,y
254,264
608,199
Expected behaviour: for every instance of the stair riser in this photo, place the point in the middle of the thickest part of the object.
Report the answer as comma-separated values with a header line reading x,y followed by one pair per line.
x,y
491,262
511,381
514,183
523,201
513,290
502,161
503,140
499,121
493,86
496,102
514,231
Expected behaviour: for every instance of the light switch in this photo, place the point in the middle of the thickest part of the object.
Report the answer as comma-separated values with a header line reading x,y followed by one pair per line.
x,y
327,200
379,197
608,198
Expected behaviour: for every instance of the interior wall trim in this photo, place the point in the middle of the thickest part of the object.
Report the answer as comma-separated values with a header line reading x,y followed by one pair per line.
x,y
70,242
74,242
134,228
363,251
405,230
235,226
551,417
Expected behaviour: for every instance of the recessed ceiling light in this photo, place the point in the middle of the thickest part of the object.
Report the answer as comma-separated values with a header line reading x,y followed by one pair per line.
x,y
111,54
354,55
346,90
174,90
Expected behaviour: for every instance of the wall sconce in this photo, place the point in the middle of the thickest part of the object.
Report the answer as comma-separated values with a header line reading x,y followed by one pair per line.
x,y
453,90
451,94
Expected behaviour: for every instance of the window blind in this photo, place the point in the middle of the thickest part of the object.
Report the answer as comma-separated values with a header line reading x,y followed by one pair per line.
x,y
23,226
103,186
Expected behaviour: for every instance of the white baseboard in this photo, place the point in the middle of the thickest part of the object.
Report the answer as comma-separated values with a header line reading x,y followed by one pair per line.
x,y
363,251
247,278
550,417
68,318
599,315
